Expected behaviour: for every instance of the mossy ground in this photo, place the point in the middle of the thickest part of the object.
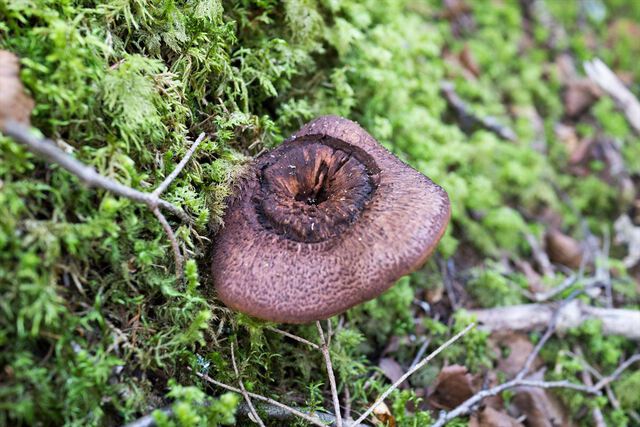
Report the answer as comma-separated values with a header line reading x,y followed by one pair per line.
x,y
94,327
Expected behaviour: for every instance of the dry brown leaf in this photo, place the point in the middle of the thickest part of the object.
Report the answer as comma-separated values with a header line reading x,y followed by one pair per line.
x,y
384,415
563,249
14,102
452,387
579,95
540,407
516,347
391,369
489,417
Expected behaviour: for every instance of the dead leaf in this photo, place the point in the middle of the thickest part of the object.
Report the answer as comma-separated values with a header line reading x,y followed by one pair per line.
x,y
15,104
512,349
489,417
541,408
579,96
391,369
452,387
384,415
563,249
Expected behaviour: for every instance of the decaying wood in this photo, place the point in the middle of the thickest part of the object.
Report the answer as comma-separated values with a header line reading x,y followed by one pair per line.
x,y
530,317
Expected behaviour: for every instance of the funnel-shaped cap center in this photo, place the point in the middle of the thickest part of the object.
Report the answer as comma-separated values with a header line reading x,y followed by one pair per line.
x,y
312,192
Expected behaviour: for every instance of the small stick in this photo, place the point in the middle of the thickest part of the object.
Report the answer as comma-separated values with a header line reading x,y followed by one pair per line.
x,y
611,84
466,407
90,177
174,174
548,333
332,378
172,239
614,376
247,399
410,372
294,337
312,420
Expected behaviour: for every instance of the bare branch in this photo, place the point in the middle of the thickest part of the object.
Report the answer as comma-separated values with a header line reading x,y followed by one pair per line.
x,y
530,317
294,337
247,399
313,420
611,84
410,372
467,406
48,149
468,120
616,374
172,239
332,379
276,413
174,174
548,333
90,177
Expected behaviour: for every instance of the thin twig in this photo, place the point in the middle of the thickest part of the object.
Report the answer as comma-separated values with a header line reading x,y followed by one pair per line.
x,y
174,174
548,333
90,177
614,376
313,420
332,379
172,239
276,413
247,399
610,83
48,149
410,372
294,337
467,406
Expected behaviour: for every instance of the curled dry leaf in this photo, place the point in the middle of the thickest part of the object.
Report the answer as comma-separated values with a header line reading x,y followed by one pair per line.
x,y
384,415
453,386
15,104
563,249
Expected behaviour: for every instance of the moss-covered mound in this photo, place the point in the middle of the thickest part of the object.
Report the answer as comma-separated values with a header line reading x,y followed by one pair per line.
x,y
94,327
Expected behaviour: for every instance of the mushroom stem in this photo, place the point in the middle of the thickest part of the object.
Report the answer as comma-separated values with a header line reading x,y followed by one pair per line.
x,y
332,379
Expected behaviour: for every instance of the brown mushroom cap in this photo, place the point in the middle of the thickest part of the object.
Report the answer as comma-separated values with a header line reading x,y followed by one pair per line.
x,y
326,221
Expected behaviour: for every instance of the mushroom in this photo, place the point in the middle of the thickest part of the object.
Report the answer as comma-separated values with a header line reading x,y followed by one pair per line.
x,y
326,221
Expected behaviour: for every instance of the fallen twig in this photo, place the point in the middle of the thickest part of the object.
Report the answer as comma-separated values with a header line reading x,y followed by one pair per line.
x,y
469,120
294,337
530,317
332,379
246,397
410,372
611,84
551,328
277,413
90,177
554,322
312,419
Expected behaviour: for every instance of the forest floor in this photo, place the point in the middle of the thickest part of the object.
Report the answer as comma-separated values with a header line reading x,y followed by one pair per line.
x,y
525,112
